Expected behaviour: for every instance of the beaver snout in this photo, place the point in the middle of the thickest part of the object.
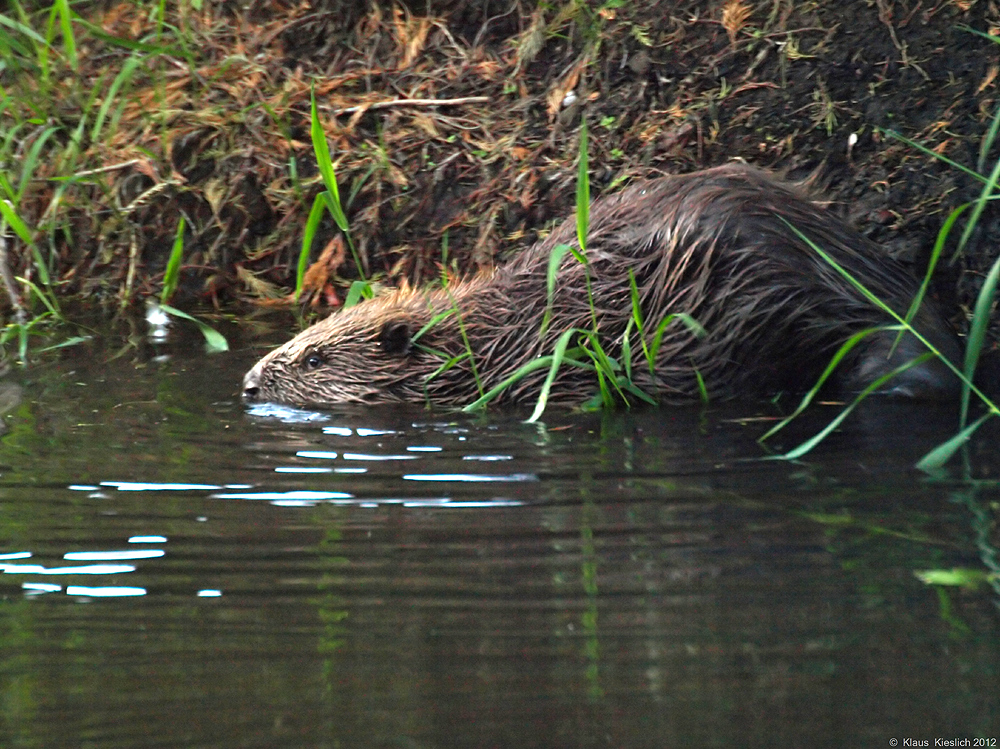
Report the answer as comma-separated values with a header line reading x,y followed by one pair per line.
x,y
251,385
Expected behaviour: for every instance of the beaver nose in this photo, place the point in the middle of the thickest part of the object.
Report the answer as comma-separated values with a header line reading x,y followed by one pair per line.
x,y
251,385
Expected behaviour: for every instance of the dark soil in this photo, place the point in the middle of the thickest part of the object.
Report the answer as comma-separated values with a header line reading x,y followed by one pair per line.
x,y
221,135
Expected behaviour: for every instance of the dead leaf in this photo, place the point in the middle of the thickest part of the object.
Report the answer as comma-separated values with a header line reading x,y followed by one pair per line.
x,y
411,33
318,274
734,17
558,92
991,75
416,43
265,292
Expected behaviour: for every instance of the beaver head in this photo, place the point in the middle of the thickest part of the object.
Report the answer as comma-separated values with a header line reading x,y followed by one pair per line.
x,y
384,350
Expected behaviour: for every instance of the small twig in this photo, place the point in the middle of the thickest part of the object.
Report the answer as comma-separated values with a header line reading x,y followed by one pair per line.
x,y
270,36
103,169
412,103
133,262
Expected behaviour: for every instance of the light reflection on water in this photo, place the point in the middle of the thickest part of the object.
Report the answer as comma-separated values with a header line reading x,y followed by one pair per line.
x,y
617,580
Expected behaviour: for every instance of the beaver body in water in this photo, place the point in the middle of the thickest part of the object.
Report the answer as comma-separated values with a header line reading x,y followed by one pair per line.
x,y
713,244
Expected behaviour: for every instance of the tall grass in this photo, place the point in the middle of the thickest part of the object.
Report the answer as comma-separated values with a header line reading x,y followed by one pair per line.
x,y
582,348
940,455
214,340
39,50
328,200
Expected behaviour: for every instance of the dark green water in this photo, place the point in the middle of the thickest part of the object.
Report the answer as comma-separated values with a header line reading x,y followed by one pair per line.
x,y
177,571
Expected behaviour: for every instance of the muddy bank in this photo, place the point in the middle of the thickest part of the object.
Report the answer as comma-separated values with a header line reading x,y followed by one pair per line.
x,y
454,127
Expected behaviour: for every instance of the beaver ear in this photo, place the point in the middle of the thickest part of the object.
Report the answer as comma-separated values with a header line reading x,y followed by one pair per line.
x,y
394,338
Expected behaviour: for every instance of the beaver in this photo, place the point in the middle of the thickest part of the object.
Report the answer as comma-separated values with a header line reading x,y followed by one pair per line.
x,y
716,244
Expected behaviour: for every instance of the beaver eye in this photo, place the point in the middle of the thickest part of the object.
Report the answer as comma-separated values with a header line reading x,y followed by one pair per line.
x,y
313,361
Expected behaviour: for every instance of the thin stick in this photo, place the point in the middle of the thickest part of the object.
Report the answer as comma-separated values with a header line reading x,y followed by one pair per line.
x,y
133,261
413,103
8,282
109,168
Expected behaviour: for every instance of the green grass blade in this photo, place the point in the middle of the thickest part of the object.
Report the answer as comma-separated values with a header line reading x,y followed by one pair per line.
x,y
22,342
638,393
336,209
991,136
489,395
431,323
21,28
539,363
582,190
123,76
173,271
977,32
608,369
810,443
636,303
447,364
558,355
74,341
551,275
359,290
7,189
977,209
640,329
46,299
702,388
323,162
117,41
66,26
15,222
308,234
627,350
936,251
936,458
845,348
891,313
693,325
467,344
11,48
934,154
41,266
214,340
332,195
977,334
31,160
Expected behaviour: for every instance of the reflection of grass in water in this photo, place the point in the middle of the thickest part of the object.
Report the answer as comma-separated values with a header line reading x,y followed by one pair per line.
x,y
984,523
940,578
589,576
330,606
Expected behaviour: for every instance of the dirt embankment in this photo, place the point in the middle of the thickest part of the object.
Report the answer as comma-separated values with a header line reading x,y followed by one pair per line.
x,y
454,128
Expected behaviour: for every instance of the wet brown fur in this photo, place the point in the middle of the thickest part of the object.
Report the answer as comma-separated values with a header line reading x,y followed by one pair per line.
x,y
710,244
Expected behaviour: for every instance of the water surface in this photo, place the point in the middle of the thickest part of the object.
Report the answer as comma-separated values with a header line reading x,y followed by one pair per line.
x,y
180,571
